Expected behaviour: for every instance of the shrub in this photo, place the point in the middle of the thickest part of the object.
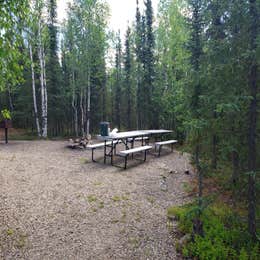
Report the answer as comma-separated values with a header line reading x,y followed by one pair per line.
x,y
225,235
5,114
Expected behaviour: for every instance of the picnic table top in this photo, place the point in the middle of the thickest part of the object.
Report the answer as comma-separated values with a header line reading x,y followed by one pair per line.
x,y
158,131
136,133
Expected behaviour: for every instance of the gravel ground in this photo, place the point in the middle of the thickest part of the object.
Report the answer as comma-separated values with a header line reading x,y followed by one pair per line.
x,y
56,204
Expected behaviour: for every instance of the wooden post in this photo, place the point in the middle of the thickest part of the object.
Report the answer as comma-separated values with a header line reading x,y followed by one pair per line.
x,y
6,135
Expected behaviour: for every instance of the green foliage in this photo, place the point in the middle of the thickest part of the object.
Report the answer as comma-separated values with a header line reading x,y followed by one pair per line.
x,y
13,16
225,237
5,114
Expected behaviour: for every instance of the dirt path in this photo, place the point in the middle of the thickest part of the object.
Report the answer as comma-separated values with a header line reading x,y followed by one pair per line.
x,y
56,204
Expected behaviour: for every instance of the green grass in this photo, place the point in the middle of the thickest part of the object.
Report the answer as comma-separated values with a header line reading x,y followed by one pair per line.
x,y
101,205
116,198
9,232
91,198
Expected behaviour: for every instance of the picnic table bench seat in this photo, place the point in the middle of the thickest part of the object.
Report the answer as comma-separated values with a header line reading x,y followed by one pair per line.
x,y
125,153
92,147
158,145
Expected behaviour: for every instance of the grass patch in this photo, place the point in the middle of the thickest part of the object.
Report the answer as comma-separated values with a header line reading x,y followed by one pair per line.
x,y
123,217
9,232
124,197
91,198
134,241
151,199
101,205
114,221
84,160
98,183
188,188
116,198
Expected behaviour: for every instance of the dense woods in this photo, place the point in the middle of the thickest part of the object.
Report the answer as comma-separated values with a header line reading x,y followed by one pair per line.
x,y
196,71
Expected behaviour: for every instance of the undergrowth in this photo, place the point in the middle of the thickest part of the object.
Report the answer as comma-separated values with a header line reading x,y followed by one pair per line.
x,y
225,234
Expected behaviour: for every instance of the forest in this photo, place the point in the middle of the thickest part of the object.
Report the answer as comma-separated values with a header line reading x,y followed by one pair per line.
x,y
192,68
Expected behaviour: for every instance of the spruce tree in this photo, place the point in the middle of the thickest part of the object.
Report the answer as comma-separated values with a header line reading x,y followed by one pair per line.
x,y
118,86
139,50
53,71
195,104
128,82
149,70
252,129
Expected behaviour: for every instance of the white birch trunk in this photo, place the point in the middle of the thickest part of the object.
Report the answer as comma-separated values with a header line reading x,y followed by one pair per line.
x,y
34,94
43,84
45,117
82,113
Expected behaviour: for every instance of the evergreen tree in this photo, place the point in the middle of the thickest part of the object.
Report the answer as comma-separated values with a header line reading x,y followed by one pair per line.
x,y
139,53
152,119
118,82
128,82
195,104
53,71
252,84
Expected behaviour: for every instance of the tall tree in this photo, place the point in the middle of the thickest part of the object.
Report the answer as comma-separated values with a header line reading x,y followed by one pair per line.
x,y
195,104
128,82
42,59
53,71
252,84
149,62
118,87
139,53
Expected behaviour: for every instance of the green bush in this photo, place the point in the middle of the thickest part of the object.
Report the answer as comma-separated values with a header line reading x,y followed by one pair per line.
x,y
5,114
225,235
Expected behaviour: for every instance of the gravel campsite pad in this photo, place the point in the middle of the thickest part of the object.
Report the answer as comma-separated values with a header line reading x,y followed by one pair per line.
x,y
57,204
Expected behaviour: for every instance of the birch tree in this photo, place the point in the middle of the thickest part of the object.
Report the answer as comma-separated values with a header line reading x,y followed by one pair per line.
x,y
41,56
34,93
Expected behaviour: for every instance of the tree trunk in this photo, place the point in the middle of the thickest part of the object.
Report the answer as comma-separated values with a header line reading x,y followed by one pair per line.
x,y
45,114
235,172
34,94
82,113
10,98
252,122
74,106
43,84
88,104
214,151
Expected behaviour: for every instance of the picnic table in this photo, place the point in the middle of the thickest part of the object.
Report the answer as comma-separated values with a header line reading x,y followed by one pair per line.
x,y
128,139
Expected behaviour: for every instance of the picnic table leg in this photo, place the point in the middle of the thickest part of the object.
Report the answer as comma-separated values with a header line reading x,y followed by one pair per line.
x,y
112,152
105,151
160,147
125,162
92,155
132,146
145,155
115,149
